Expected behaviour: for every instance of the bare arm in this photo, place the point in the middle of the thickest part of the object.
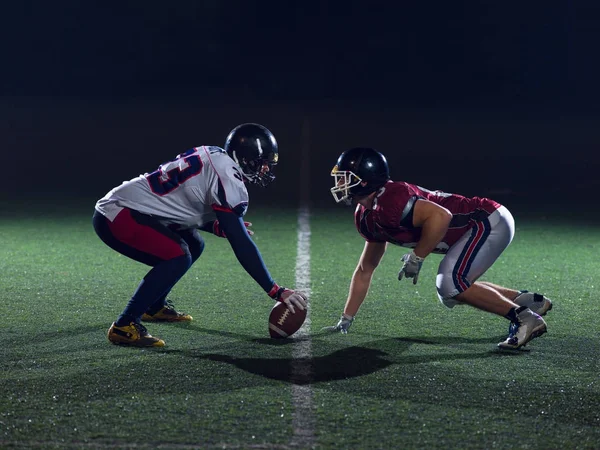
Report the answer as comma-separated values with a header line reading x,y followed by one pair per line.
x,y
361,279
434,220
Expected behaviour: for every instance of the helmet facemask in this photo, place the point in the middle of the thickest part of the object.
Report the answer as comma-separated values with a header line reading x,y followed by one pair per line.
x,y
344,180
358,173
254,148
259,170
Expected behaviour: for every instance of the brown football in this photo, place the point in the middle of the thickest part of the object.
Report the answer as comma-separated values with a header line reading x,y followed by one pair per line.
x,y
283,323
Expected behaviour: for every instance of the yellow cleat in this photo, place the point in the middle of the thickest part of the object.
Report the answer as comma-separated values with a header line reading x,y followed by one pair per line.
x,y
167,314
133,334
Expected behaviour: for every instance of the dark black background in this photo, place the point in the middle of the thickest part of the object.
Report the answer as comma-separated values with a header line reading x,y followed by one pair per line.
x,y
479,97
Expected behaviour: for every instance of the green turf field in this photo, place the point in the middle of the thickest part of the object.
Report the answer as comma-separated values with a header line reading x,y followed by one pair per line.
x,y
410,374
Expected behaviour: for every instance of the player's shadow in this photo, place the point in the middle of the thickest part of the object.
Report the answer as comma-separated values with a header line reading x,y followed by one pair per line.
x,y
341,364
315,336
346,363
438,340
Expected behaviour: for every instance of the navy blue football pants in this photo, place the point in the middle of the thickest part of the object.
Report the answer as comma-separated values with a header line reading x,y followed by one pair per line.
x,y
144,239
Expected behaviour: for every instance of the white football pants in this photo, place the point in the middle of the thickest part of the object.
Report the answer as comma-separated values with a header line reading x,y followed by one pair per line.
x,y
473,254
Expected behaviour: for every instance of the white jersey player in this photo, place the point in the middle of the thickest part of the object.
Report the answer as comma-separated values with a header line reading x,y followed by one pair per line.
x,y
154,219
183,192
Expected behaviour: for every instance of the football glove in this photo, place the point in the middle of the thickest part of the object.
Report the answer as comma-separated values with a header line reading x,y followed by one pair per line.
x,y
292,299
411,265
218,231
343,324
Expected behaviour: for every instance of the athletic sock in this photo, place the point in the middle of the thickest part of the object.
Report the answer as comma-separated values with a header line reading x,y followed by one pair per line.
x,y
159,280
514,312
158,305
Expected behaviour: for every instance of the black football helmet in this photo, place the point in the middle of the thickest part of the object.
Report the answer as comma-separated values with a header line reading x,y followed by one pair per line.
x,y
355,166
253,147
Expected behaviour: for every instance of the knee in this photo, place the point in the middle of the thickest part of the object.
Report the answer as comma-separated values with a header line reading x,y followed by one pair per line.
x,y
445,286
187,259
183,262
197,250
195,244
447,290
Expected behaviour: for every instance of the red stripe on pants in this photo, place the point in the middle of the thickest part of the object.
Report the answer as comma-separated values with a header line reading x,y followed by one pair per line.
x,y
459,273
143,238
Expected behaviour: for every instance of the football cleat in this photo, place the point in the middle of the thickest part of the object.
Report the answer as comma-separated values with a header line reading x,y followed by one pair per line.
x,y
133,334
167,314
529,325
538,303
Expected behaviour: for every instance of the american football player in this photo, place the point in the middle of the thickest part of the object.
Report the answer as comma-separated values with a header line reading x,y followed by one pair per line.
x,y
471,233
154,219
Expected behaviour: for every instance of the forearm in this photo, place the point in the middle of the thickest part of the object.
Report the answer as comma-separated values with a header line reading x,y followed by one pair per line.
x,y
433,231
251,260
245,249
359,287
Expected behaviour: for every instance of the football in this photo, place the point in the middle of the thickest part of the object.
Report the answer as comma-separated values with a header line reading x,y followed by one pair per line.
x,y
283,323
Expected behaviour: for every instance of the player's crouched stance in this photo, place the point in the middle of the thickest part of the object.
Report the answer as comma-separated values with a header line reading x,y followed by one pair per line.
x,y
154,219
471,232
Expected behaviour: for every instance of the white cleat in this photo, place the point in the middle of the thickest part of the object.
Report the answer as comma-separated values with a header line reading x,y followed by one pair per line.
x,y
538,303
529,326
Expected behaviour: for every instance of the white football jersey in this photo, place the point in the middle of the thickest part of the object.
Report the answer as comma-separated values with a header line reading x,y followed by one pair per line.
x,y
185,191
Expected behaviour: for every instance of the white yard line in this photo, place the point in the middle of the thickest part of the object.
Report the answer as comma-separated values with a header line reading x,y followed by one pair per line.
x,y
303,420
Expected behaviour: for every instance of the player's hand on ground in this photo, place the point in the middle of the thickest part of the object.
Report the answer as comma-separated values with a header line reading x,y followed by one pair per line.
x,y
343,324
411,265
293,300
218,231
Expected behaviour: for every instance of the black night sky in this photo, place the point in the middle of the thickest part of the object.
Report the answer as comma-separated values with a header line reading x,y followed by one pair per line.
x,y
389,74
417,53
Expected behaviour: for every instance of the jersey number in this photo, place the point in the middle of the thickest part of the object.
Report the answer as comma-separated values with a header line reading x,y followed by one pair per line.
x,y
165,179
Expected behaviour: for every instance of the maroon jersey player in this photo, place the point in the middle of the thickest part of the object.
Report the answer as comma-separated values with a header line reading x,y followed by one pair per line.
x,y
471,233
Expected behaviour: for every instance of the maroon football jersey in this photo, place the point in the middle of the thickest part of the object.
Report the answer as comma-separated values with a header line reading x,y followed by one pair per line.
x,y
390,220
